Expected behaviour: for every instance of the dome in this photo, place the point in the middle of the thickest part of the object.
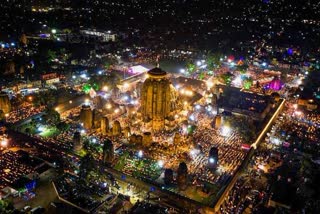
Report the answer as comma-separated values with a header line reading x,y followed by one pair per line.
x,y
157,73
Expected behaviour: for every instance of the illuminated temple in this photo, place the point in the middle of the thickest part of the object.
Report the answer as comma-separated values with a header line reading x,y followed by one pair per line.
x,y
157,98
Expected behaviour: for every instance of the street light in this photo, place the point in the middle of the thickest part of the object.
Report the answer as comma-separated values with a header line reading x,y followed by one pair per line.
x,y
211,160
4,143
225,131
140,154
54,31
160,163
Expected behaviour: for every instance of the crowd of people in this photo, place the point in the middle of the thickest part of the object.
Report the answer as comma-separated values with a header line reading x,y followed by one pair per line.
x,y
12,168
23,113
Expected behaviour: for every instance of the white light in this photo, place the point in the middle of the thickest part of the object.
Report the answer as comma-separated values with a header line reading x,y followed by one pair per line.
x,y
160,163
264,64
125,97
182,70
73,77
53,31
225,131
198,63
198,107
12,44
83,76
140,154
299,82
41,129
94,140
4,143
192,117
100,72
86,102
211,160
82,131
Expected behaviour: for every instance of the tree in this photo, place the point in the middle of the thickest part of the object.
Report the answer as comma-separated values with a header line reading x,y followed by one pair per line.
x,y
51,116
242,68
6,207
247,82
226,78
87,165
51,55
63,126
182,176
213,60
191,68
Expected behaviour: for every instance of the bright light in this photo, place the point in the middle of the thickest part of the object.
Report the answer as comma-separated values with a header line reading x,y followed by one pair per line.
x,y
56,109
73,77
160,163
140,154
4,143
70,101
41,129
264,64
211,160
237,80
299,82
94,140
209,84
53,31
198,107
105,88
83,131
182,70
198,63
298,113
99,72
86,102
126,85
108,106
295,106
6,115
83,76
225,131
116,111
229,60
192,117
125,97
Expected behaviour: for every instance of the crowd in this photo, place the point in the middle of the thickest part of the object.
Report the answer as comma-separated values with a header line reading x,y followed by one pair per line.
x,y
12,168
23,113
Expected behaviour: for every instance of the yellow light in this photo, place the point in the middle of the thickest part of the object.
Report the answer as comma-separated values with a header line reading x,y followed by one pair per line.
x,y
105,88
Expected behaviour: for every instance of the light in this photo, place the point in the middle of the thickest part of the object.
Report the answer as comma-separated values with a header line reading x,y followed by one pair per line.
x,y
94,140
108,106
140,154
198,63
299,82
211,160
7,115
4,143
12,44
295,106
41,129
116,111
83,131
126,85
56,109
86,102
83,76
198,107
70,101
54,31
225,131
160,163
264,64
192,117
99,72
182,70
105,88
3,46
73,77
125,98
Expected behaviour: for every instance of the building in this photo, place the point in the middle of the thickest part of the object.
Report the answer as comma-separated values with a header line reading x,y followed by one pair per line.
x,y
156,98
5,104
86,116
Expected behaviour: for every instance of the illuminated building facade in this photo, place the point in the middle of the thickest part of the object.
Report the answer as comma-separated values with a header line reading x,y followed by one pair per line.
x,y
156,98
